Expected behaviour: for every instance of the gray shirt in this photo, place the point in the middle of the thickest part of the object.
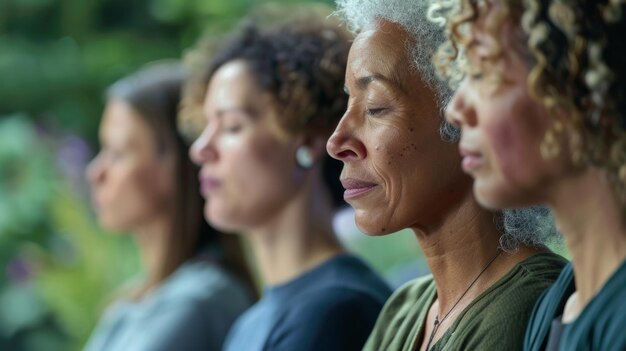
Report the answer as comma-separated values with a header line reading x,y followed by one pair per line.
x,y
192,310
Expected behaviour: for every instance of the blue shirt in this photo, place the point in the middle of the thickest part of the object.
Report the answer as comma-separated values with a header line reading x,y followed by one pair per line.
x,y
600,326
192,310
331,307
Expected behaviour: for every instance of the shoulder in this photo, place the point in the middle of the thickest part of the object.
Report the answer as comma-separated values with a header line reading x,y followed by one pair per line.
x,y
340,302
601,324
335,318
522,287
410,294
203,282
351,274
549,305
409,299
610,333
517,293
347,283
499,318
337,312
198,292
404,309
413,287
545,266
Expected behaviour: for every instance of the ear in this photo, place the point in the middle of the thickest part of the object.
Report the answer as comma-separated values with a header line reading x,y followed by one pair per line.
x,y
316,145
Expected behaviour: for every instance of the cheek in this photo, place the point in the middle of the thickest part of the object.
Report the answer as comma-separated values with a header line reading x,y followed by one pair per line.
x,y
515,141
133,195
258,160
418,170
257,173
153,185
504,144
390,150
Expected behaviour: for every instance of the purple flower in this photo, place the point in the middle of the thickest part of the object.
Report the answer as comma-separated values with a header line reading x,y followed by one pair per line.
x,y
19,270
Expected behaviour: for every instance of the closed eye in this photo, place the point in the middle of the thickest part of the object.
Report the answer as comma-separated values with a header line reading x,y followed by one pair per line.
x,y
375,111
232,128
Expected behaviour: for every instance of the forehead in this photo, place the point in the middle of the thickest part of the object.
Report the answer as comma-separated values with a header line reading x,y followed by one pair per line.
x,y
381,50
121,120
232,81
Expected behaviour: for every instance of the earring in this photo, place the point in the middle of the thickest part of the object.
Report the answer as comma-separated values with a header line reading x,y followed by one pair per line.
x,y
304,157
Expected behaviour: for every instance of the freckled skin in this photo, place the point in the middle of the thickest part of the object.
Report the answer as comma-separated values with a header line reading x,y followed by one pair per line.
x,y
414,169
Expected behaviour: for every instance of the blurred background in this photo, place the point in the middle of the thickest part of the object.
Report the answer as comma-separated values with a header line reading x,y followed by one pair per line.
x,y
56,59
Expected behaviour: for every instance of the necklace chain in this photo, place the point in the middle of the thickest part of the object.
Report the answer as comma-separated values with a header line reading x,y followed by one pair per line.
x,y
437,322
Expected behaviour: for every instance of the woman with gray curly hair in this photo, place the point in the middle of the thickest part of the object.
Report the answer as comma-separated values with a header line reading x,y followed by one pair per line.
x,y
550,76
400,173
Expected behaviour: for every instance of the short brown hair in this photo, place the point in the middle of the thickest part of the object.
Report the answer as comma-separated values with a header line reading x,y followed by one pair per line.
x,y
300,62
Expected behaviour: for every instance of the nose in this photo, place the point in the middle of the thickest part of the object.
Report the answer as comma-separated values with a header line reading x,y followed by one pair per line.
x,y
460,111
343,144
203,149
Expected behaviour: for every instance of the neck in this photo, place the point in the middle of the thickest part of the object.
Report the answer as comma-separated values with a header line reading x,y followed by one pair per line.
x,y
590,217
151,240
460,248
297,239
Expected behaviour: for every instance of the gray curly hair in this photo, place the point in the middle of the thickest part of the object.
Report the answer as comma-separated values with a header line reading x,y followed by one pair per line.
x,y
532,226
363,14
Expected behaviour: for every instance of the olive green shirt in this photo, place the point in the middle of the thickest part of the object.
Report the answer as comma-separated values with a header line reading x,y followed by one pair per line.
x,y
496,320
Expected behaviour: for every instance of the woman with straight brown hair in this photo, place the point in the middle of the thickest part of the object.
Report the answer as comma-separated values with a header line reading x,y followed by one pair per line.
x,y
143,182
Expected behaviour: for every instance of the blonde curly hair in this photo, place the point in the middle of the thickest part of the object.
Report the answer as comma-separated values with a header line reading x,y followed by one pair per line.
x,y
576,58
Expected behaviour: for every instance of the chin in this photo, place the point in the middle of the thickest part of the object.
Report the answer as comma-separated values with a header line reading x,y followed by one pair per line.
x,y
221,221
369,228
498,198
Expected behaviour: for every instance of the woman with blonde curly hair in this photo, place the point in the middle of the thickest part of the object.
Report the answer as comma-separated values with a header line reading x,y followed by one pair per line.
x,y
542,110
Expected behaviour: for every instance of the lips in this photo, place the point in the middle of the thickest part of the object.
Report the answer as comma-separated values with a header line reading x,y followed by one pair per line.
x,y
355,187
472,159
208,184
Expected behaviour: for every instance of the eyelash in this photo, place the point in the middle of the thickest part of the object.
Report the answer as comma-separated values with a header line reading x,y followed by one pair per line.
x,y
232,129
375,111
476,76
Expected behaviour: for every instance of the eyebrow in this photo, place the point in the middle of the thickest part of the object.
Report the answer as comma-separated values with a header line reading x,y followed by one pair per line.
x,y
221,112
363,82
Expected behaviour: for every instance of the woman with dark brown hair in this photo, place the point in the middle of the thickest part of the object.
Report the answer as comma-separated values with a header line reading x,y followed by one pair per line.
x,y
271,97
143,182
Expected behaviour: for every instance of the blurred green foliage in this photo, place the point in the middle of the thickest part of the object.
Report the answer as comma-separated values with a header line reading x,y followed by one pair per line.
x,y
59,268
57,56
